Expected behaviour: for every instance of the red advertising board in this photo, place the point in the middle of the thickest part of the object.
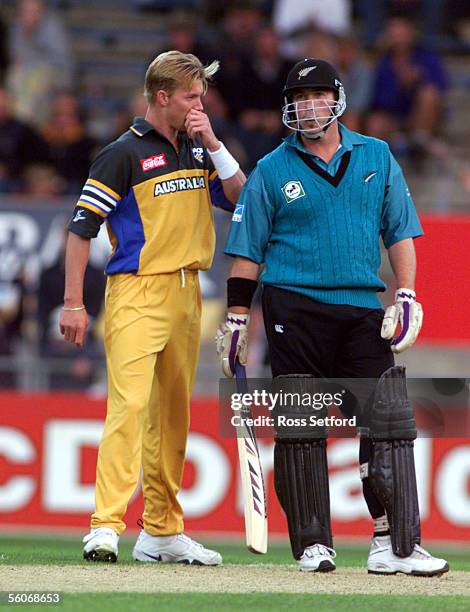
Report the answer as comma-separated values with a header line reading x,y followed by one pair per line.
x,y
48,447
442,281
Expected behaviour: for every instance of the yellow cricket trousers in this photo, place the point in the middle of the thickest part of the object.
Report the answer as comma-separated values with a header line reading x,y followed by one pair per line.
x,y
152,334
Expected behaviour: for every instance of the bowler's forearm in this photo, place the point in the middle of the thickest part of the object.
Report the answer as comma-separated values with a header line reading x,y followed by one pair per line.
x,y
232,187
76,259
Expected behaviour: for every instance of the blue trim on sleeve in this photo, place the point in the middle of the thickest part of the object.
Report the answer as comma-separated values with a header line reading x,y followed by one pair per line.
x,y
126,224
218,197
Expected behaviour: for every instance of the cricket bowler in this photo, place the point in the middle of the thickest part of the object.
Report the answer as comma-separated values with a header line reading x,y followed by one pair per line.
x,y
154,187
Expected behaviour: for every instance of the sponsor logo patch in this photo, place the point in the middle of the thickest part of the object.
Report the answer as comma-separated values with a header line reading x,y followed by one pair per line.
x,y
238,213
293,190
156,161
198,154
181,184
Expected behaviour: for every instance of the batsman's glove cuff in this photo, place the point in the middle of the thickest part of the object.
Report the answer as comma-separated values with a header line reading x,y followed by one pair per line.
x,y
232,342
409,313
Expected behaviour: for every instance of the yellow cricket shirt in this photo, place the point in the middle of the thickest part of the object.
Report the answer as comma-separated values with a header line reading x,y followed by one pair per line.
x,y
157,202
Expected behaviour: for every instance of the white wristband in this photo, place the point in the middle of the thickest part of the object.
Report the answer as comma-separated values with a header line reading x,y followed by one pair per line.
x,y
224,162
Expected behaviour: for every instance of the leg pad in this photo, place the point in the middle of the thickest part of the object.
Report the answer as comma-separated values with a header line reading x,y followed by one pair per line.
x,y
301,483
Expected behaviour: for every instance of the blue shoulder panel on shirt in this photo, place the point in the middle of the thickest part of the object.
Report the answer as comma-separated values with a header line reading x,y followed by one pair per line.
x,y
127,226
217,194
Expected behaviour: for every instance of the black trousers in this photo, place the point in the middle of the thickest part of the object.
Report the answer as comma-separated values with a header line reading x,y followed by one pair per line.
x,y
327,341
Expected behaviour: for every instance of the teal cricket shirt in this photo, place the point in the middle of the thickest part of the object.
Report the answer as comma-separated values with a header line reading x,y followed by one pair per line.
x,y
317,226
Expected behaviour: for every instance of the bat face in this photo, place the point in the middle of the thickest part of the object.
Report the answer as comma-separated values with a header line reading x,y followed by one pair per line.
x,y
256,522
256,476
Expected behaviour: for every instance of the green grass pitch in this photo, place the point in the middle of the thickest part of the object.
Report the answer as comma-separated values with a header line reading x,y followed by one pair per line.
x,y
66,552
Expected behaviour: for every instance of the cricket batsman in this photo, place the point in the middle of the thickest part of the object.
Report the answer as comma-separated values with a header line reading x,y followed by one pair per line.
x,y
314,212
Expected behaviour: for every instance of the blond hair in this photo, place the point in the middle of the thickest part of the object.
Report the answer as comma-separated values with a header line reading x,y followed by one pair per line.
x,y
173,69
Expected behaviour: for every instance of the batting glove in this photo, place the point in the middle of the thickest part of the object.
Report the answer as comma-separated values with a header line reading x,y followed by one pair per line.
x,y
232,342
409,313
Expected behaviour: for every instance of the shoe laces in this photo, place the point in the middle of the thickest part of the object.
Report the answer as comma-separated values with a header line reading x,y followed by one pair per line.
x,y
187,540
319,549
98,531
419,551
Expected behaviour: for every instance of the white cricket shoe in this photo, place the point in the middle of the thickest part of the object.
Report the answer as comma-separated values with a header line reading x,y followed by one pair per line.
x,y
317,558
382,560
101,544
173,549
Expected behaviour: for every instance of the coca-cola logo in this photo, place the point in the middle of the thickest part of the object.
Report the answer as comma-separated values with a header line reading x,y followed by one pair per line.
x,y
156,161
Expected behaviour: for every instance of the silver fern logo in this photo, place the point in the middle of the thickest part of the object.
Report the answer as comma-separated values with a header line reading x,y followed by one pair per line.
x,y
305,72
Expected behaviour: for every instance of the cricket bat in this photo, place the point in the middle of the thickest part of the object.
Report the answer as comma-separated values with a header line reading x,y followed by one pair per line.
x,y
256,519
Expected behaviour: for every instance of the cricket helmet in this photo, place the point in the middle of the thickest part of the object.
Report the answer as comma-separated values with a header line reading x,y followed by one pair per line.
x,y
312,74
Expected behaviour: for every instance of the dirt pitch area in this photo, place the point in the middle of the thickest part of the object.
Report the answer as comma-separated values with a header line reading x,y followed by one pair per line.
x,y
226,579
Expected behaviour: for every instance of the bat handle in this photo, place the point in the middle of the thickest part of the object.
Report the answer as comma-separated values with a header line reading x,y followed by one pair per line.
x,y
240,371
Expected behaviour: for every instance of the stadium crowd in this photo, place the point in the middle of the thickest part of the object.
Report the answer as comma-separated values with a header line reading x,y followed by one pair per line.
x,y
391,55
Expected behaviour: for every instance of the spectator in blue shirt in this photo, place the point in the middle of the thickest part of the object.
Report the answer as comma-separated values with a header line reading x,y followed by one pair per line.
x,y
409,83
